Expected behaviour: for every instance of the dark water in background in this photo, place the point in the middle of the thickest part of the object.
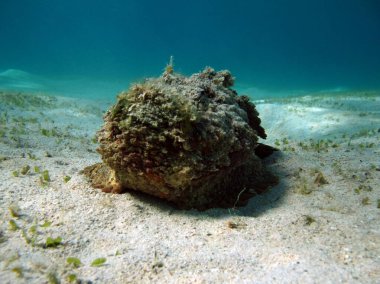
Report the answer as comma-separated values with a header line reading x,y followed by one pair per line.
x,y
270,46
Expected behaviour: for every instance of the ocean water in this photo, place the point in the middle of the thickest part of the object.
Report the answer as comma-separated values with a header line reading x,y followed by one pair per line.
x,y
273,48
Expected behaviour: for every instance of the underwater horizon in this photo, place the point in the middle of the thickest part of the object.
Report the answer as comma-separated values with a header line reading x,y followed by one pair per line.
x,y
273,48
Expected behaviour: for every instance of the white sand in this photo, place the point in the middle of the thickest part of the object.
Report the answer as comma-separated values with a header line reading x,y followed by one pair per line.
x,y
297,232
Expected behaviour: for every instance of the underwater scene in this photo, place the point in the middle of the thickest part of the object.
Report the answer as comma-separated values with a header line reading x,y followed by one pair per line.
x,y
189,142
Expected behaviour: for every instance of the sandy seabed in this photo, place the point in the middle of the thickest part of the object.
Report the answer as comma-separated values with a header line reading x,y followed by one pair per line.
x,y
321,224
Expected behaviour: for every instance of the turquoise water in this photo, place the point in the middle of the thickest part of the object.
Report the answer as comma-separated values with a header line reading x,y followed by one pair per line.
x,y
96,48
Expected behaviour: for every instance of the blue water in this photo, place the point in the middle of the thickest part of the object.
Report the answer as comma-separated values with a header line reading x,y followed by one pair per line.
x,y
270,46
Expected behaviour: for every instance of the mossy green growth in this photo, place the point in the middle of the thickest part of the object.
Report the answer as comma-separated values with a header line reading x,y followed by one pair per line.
x,y
45,175
25,236
363,187
366,201
378,203
98,262
18,271
52,278
45,132
15,174
25,169
33,229
44,178
50,133
169,69
37,169
30,236
14,211
320,179
53,242
66,179
13,226
74,261
3,239
71,278
2,132
31,156
309,220
26,101
94,139
46,224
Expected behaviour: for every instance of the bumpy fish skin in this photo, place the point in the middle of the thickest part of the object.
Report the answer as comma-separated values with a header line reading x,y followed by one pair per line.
x,y
189,140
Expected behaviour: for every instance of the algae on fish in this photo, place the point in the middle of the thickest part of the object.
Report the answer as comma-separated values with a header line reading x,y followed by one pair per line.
x,y
190,140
